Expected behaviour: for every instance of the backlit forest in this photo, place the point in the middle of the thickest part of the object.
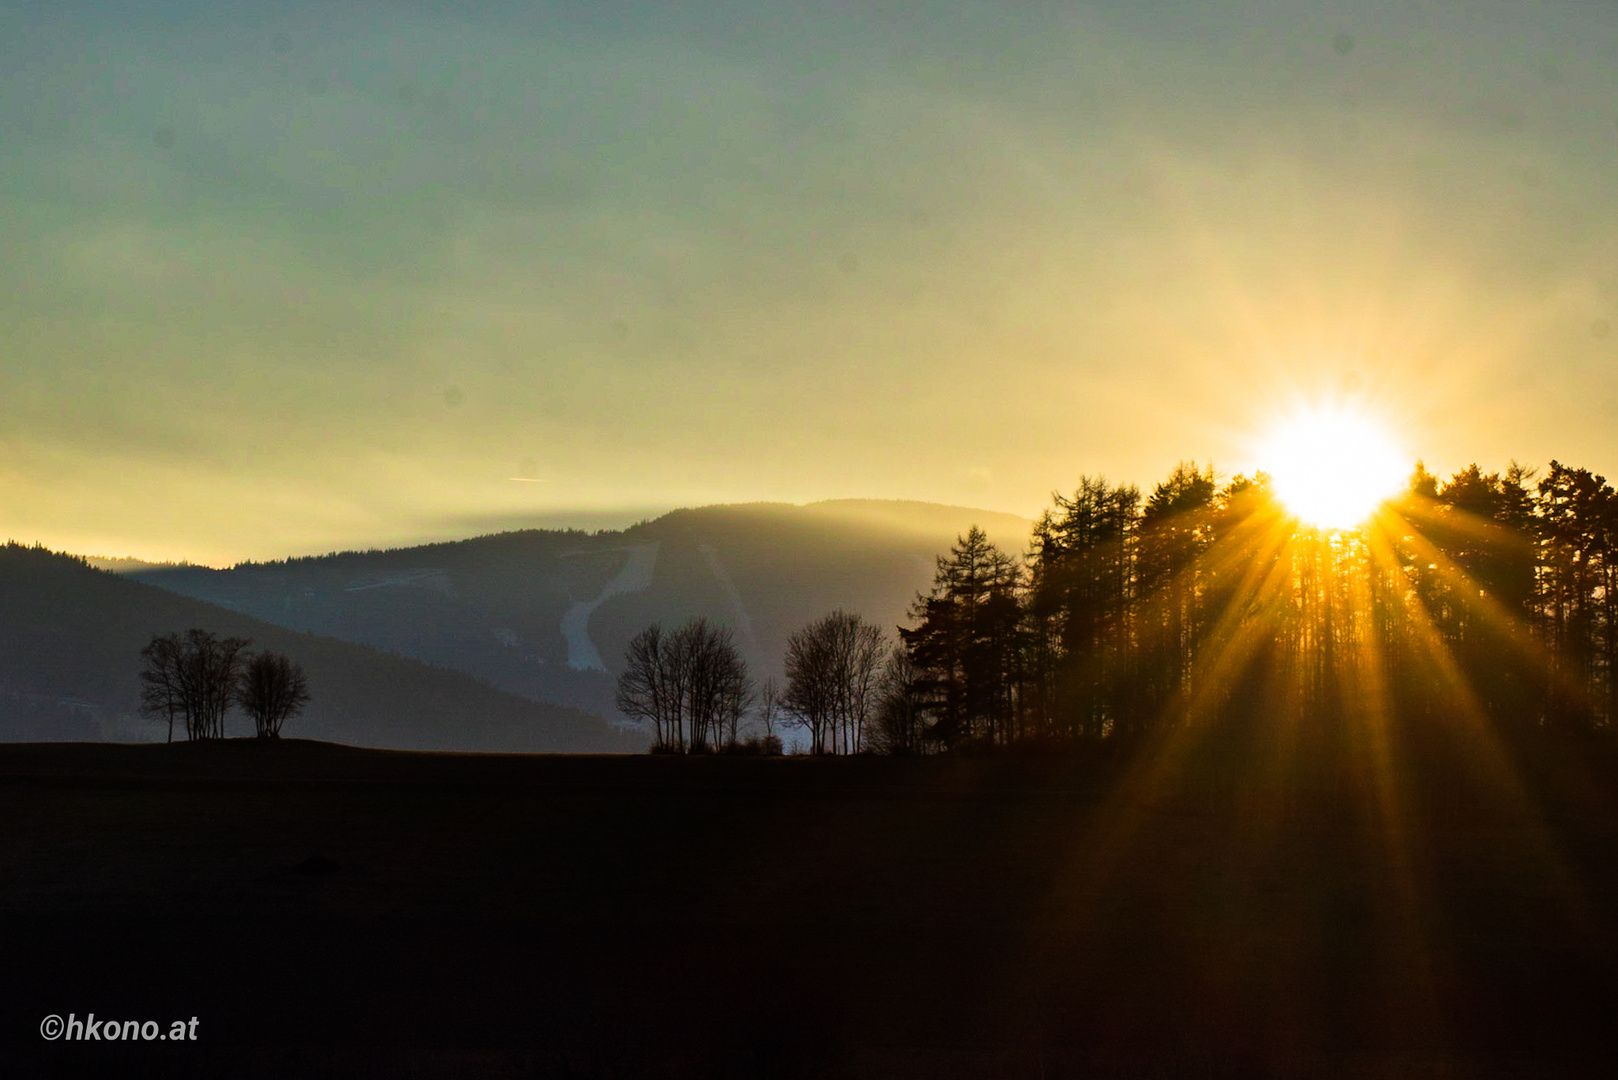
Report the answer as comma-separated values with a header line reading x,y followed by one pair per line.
x,y
1483,597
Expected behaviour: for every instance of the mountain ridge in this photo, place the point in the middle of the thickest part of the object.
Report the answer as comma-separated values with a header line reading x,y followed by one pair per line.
x,y
70,641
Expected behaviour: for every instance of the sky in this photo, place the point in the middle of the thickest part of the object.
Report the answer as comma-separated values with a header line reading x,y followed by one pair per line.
x,y
283,278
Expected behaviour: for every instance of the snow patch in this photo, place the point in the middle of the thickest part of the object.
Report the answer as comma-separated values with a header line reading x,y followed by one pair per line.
x,y
634,577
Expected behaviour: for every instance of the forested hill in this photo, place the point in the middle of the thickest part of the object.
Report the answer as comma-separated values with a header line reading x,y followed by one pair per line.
x,y
547,613
70,641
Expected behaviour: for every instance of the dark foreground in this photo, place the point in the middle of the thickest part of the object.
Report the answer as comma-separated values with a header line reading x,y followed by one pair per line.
x,y
338,912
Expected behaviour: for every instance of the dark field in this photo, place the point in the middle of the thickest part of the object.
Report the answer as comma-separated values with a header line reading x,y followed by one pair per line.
x,y
1207,911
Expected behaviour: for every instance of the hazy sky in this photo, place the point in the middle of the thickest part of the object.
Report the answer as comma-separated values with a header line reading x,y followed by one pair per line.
x,y
281,278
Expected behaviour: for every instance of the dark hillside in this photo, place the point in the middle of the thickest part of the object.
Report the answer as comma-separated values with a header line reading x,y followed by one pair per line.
x,y
70,641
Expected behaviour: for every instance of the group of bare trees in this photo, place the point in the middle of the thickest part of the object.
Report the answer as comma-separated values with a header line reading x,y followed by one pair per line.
x,y
834,681
196,678
847,687
691,685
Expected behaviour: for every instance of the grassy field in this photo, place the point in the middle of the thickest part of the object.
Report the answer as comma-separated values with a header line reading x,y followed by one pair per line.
x,y
1208,910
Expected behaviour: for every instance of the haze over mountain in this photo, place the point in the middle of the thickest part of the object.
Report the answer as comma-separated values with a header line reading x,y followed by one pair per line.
x,y
70,641
547,614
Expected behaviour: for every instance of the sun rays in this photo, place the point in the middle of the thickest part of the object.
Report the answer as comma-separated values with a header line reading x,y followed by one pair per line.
x,y
1345,655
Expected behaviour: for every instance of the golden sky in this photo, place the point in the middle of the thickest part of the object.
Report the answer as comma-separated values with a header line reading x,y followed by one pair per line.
x,y
287,278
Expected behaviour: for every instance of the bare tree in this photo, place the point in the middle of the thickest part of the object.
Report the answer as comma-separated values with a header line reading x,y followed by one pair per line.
x,y
212,667
717,689
900,726
832,669
644,692
808,698
195,677
735,700
161,696
273,690
692,685
769,706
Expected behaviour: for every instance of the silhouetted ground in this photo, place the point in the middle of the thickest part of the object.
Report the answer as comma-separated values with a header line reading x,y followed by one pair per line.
x,y
329,911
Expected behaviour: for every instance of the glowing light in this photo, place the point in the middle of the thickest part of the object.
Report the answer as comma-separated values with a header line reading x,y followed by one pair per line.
x,y
1333,467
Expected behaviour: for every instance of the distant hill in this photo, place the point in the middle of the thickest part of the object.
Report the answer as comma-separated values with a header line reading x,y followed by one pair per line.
x,y
125,564
547,613
70,641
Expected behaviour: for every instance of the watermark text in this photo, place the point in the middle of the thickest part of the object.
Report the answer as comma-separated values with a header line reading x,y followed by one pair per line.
x,y
90,1029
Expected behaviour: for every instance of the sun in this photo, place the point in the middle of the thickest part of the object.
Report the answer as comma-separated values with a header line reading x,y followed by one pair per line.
x,y
1333,467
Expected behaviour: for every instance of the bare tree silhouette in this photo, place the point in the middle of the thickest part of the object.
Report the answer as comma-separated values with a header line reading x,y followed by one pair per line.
x,y
833,667
161,695
195,677
691,685
273,690
901,716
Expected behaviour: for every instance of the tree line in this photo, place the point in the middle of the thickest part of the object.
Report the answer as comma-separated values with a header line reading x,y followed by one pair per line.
x,y
1494,594
195,678
1489,593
